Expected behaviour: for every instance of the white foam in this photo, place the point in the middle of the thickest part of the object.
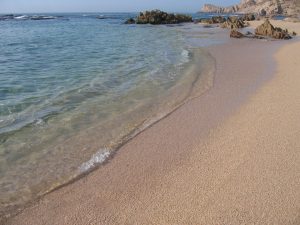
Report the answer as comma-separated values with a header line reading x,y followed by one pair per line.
x,y
186,55
98,158
21,17
39,122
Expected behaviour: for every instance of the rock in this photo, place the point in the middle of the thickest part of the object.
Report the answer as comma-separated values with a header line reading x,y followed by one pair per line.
x,y
233,22
205,20
262,12
260,7
236,34
213,20
159,17
248,17
217,9
130,21
218,19
267,29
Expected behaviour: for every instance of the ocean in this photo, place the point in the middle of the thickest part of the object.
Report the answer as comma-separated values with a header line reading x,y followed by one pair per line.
x,y
76,87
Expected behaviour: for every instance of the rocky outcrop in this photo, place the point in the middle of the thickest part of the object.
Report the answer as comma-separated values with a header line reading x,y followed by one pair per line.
x,y
267,29
217,9
159,17
260,7
233,22
264,31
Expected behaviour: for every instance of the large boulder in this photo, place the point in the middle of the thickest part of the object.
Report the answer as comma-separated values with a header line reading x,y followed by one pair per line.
x,y
159,17
267,29
233,22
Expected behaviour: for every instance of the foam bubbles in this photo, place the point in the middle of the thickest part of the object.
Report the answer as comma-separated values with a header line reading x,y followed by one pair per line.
x,y
98,158
185,54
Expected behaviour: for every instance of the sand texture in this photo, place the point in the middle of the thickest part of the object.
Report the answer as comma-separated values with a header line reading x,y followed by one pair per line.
x,y
231,156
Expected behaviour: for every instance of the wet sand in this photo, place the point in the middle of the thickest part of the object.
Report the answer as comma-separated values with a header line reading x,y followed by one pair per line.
x,y
230,156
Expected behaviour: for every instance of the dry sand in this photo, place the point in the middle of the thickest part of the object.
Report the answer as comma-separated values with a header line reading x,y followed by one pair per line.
x,y
231,156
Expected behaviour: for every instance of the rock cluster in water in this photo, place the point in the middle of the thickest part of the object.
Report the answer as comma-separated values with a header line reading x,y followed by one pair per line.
x,y
159,17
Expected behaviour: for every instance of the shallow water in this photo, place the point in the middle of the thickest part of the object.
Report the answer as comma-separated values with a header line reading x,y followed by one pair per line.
x,y
74,88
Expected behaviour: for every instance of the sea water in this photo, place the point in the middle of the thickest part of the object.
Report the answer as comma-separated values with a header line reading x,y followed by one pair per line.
x,y
74,88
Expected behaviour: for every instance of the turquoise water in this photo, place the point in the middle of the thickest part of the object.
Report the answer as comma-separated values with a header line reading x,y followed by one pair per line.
x,y
74,88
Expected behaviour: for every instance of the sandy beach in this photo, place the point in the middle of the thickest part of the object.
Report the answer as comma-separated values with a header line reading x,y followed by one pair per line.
x,y
230,156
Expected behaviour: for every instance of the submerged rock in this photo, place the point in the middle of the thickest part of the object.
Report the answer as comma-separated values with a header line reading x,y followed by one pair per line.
x,y
130,21
159,17
267,29
7,17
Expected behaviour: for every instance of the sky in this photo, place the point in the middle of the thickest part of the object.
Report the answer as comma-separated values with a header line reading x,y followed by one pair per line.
x,y
39,6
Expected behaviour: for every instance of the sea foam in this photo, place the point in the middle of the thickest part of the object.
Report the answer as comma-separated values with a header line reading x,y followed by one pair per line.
x,y
98,158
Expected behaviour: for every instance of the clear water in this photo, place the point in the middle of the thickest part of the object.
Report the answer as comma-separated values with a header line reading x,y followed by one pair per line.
x,y
74,88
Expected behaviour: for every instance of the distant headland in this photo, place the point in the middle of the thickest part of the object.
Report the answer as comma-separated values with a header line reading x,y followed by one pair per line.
x,y
261,7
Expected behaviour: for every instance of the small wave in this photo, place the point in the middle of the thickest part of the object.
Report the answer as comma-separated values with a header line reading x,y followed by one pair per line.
x,y
39,122
185,57
42,17
98,158
23,17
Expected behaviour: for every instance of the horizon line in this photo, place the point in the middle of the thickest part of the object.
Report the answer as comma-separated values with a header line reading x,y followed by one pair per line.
x,y
169,11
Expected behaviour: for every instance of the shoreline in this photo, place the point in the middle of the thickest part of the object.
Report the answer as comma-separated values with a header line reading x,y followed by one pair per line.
x,y
94,128
149,156
197,79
